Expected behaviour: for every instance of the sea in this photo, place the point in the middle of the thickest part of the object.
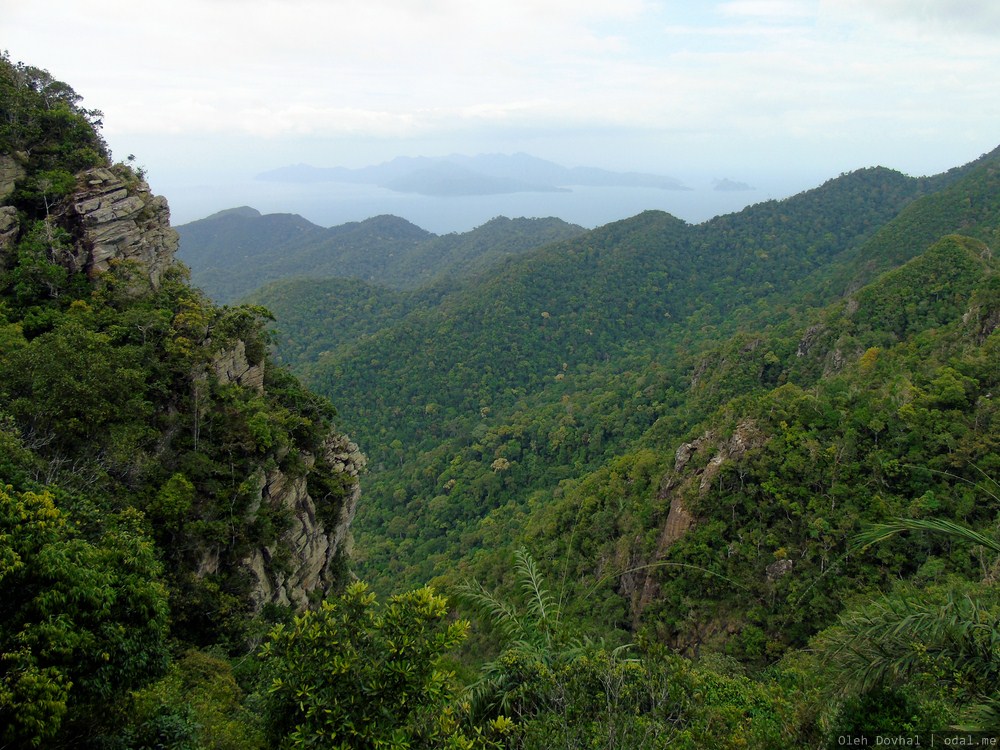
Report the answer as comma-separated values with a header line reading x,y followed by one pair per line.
x,y
332,204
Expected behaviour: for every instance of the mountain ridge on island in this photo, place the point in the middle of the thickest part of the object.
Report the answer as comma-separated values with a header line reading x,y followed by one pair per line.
x,y
461,175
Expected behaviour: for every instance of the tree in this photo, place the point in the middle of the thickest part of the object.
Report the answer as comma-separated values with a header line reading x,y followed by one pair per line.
x,y
43,118
72,385
944,641
352,674
83,622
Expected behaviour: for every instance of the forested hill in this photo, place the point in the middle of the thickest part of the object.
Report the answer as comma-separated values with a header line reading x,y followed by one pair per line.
x,y
233,252
725,397
479,408
730,485
687,425
627,288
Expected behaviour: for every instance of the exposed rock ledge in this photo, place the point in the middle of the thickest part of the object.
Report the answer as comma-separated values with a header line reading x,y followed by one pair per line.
x,y
8,226
302,560
121,220
231,366
112,216
680,483
10,173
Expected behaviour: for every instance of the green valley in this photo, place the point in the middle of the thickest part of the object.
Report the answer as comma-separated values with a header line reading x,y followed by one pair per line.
x,y
650,485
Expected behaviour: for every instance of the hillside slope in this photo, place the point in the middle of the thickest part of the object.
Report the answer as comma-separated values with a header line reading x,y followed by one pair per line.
x,y
234,252
557,363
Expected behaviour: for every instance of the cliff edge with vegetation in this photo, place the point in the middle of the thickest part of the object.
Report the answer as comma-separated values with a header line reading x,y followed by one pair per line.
x,y
156,468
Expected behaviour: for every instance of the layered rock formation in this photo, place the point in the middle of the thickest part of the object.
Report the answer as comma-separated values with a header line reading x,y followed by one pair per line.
x,y
113,218
232,366
10,173
119,219
305,558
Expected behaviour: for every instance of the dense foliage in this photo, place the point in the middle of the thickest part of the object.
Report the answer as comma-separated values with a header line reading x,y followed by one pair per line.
x,y
130,468
353,675
635,457
234,252
84,620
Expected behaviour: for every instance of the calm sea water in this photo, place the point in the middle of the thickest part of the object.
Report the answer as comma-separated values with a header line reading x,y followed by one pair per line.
x,y
330,204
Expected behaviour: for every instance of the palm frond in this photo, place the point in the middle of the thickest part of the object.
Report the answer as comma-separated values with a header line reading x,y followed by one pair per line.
x,y
984,717
892,639
540,603
881,532
502,615
960,478
488,696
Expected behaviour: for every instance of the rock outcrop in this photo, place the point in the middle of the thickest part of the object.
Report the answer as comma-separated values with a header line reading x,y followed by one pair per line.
x,y
690,477
112,216
303,560
232,366
10,173
8,226
118,219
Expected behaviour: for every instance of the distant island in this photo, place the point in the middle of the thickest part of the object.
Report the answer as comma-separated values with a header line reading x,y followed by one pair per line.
x,y
484,174
725,184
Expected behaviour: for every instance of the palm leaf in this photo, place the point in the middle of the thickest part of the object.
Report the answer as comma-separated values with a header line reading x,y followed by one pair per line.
x,y
881,532
540,603
984,717
890,640
502,615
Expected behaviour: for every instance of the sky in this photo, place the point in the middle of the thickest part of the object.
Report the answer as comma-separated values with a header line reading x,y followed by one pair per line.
x,y
780,93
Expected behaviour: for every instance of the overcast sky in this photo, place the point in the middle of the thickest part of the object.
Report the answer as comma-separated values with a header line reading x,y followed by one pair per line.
x,y
738,88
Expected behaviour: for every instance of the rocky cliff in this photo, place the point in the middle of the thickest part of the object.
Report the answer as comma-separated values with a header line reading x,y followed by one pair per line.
x,y
10,173
311,547
117,218
112,219
307,556
696,465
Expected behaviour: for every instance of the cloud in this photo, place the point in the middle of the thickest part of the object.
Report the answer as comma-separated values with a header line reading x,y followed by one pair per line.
x,y
379,61
733,73
932,18
771,10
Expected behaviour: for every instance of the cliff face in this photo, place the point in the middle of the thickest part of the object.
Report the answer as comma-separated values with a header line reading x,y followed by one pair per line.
x,y
696,465
303,561
112,219
10,173
117,220
311,548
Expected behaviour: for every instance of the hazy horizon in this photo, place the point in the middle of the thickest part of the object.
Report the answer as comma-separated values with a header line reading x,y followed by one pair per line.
x,y
780,94
333,203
